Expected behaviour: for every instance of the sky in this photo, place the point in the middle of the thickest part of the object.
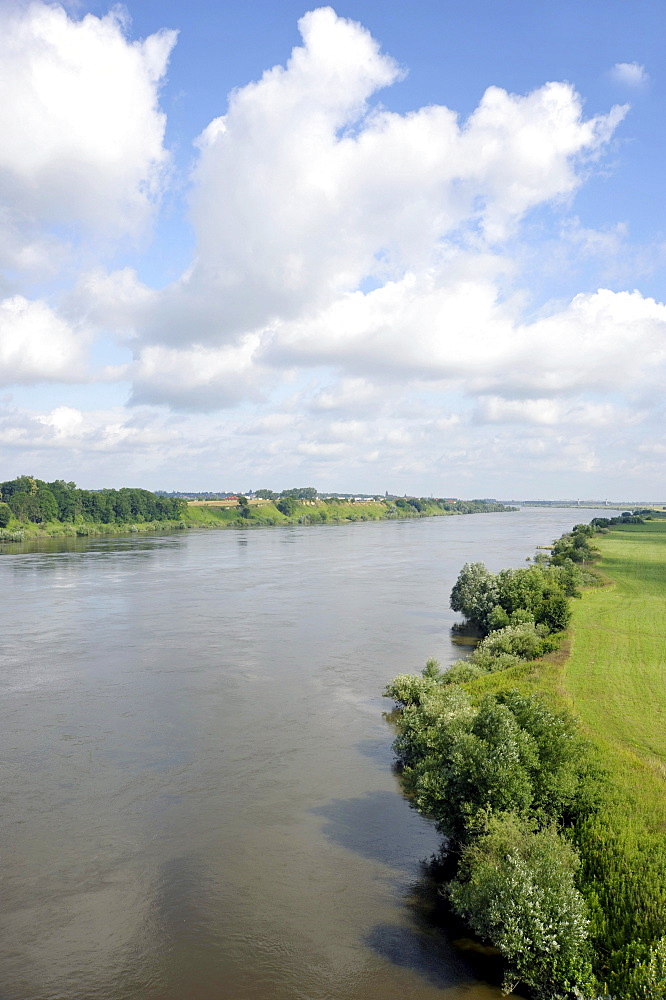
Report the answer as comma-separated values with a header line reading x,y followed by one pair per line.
x,y
411,247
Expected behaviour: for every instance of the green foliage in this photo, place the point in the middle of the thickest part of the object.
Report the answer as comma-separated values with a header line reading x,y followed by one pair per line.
x,y
509,754
495,777
286,506
411,689
515,887
475,594
469,760
647,980
5,515
574,545
301,493
537,593
526,641
463,671
488,660
33,500
555,612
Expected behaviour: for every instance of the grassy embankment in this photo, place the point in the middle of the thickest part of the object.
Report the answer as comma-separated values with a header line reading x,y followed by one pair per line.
x,y
612,674
225,513
257,513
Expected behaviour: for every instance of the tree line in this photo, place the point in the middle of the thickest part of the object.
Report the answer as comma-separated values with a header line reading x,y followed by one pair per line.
x,y
521,800
29,499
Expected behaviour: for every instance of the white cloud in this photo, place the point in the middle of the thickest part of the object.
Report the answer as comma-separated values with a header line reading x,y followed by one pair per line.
x,y
81,131
432,328
112,301
195,379
38,345
303,190
551,412
66,421
630,74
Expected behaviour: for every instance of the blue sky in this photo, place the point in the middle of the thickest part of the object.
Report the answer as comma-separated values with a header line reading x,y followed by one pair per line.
x,y
425,253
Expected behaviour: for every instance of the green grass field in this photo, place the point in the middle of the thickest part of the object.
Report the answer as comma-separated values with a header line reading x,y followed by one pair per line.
x,y
616,674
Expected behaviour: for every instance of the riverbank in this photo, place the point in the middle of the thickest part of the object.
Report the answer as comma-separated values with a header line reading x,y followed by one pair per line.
x,y
255,515
333,511
610,674
611,812
610,671
19,531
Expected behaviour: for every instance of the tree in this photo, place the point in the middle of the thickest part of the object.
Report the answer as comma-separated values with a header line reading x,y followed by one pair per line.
x,y
286,506
475,594
515,888
301,493
5,515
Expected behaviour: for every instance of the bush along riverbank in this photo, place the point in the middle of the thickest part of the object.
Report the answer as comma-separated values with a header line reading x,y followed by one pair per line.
x,y
543,856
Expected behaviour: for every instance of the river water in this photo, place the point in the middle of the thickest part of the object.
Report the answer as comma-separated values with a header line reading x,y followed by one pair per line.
x,y
197,800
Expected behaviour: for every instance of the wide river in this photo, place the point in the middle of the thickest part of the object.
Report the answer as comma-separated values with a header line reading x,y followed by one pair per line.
x,y
198,801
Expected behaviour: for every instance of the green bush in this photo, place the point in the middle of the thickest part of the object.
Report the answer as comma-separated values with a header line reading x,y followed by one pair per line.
x,y
515,888
5,515
526,641
647,980
287,506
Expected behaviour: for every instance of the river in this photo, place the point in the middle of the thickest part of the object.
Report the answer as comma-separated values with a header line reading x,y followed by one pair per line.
x,y
197,800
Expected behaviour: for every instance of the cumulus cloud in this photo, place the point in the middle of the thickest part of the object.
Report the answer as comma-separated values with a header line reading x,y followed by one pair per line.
x,y
38,345
304,190
629,74
432,328
82,133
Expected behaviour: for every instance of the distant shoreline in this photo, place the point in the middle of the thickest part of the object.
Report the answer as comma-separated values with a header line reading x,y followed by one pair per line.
x,y
265,515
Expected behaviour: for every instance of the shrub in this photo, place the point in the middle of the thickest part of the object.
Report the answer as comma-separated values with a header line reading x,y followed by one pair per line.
x,y
647,980
515,888
526,641
5,515
475,594
462,671
286,506
409,689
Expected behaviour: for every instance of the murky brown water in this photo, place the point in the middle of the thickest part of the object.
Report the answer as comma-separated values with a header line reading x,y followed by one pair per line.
x,y
197,799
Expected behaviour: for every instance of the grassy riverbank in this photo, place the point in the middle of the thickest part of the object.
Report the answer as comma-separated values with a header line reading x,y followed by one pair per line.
x,y
617,670
225,514
612,669
263,514
22,531
480,743
256,514
612,674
